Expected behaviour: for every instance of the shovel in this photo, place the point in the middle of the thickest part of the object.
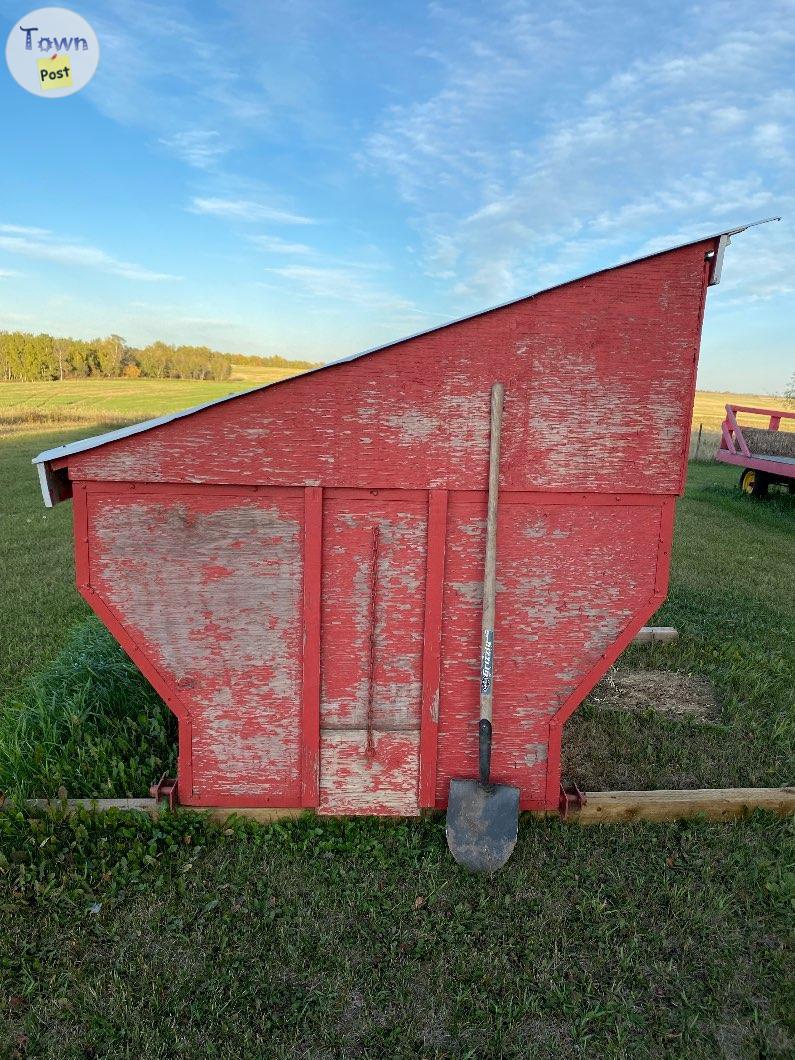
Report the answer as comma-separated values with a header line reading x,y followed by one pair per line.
x,y
483,818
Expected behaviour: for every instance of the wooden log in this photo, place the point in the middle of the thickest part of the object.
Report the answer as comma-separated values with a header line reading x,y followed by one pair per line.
x,y
656,635
608,807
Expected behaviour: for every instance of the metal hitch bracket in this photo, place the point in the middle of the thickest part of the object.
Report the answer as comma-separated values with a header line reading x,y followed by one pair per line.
x,y
165,789
570,797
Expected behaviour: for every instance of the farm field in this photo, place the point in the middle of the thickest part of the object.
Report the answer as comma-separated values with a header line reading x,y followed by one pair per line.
x,y
81,400
121,399
324,937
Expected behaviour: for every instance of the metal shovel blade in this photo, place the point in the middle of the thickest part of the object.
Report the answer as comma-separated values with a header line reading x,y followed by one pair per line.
x,y
482,824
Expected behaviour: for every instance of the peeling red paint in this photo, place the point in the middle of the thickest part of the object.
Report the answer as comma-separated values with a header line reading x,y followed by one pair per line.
x,y
233,552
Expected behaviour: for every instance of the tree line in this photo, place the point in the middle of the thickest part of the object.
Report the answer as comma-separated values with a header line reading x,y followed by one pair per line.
x,y
27,358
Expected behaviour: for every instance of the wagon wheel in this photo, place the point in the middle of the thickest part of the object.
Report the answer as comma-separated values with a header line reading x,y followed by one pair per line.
x,y
754,482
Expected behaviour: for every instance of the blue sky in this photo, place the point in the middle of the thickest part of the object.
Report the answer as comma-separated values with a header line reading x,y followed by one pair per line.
x,y
315,178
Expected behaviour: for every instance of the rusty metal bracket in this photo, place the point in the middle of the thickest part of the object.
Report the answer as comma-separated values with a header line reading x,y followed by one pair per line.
x,y
570,797
166,789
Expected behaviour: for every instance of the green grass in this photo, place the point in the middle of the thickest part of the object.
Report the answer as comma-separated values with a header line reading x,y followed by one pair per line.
x,y
120,936
125,937
731,593
39,602
87,722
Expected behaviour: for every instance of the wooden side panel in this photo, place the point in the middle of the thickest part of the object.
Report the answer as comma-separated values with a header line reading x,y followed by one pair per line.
x,y
210,588
570,579
599,378
374,559
432,645
379,778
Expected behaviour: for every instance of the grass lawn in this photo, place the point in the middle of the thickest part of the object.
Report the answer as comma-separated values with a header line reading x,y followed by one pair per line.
x,y
121,936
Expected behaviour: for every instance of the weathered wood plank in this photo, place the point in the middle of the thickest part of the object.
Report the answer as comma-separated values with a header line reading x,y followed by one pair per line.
x,y
310,691
365,772
432,645
605,807
569,581
599,377
210,589
717,804
656,635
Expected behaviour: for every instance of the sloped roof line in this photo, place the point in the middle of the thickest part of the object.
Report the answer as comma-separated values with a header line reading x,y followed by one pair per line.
x,y
84,444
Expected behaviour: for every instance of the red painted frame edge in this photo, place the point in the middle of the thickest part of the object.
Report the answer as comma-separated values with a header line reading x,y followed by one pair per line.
x,y
310,691
432,646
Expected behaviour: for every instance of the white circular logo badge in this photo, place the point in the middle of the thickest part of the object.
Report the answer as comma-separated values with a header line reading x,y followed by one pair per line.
x,y
52,52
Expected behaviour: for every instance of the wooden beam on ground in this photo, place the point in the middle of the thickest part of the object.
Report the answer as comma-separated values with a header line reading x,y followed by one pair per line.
x,y
608,807
656,635
716,804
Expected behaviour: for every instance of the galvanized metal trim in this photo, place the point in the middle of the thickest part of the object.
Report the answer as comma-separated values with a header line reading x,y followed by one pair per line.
x,y
94,442
717,262
44,482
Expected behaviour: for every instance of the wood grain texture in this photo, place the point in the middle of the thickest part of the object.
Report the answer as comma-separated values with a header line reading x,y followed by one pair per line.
x,y
310,689
271,565
601,807
210,589
369,773
599,376
374,563
350,610
432,645
715,804
569,581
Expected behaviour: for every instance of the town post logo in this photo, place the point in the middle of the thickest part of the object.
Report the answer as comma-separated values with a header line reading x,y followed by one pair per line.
x,y
52,52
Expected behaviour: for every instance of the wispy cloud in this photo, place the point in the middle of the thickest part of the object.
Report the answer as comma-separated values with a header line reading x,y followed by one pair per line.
x,y
23,230
346,286
246,210
510,188
275,245
201,148
48,246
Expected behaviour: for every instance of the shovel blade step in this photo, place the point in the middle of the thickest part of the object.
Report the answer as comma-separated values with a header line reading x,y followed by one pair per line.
x,y
482,824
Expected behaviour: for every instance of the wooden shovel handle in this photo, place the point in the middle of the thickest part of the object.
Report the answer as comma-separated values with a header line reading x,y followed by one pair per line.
x,y
490,570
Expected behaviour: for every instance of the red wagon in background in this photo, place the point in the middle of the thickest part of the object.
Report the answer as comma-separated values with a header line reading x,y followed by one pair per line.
x,y
765,454
298,569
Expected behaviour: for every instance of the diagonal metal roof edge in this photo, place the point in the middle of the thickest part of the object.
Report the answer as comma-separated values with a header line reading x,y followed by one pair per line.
x,y
94,442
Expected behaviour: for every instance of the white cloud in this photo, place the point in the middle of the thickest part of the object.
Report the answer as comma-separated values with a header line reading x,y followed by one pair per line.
x,y
246,210
23,230
201,148
509,192
347,286
48,246
275,245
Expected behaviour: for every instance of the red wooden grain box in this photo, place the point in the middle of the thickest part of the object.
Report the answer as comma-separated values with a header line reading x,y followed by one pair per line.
x,y
298,570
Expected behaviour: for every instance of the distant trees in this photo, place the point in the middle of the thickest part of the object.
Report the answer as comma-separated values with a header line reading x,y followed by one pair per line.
x,y
274,361
25,357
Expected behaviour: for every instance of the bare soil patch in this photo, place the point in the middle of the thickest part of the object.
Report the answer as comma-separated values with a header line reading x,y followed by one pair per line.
x,y
662,691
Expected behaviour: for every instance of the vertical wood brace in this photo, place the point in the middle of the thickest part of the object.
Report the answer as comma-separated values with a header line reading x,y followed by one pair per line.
x,y
667,517
432,649
310,695
80,516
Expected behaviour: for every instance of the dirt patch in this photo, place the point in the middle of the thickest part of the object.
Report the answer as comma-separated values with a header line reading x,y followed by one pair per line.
x,y
662,691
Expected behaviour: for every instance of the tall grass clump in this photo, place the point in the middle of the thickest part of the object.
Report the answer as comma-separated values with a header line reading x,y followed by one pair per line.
x,y
88,722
